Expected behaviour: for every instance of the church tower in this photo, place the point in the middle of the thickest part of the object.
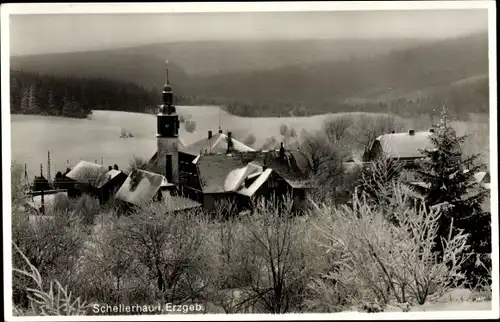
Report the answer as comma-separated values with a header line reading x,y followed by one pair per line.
x,y
167,135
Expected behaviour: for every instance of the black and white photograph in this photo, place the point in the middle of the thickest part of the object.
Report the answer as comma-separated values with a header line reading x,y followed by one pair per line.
x,y
261,160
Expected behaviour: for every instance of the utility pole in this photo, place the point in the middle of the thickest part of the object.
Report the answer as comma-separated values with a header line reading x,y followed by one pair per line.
x,y
42,208
48,166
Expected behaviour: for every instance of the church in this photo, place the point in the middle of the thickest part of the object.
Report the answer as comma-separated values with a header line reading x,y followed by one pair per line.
x,y
217,168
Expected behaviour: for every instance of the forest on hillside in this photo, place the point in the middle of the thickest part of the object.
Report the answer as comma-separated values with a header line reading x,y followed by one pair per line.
x,y
76,97
415,78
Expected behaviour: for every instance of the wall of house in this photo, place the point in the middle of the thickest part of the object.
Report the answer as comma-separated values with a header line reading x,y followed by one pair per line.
x,y
188,174
210,200
110,189
299,198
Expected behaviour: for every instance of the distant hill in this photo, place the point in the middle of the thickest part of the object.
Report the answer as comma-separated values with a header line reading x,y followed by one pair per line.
x,y
272,78
426,65
144,65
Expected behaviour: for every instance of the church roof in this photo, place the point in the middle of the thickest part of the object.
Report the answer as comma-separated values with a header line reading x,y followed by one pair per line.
x,y
217,144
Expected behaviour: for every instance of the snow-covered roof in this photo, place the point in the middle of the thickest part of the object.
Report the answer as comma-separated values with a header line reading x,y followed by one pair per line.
x,y
250,191
404,145
86,171
217,144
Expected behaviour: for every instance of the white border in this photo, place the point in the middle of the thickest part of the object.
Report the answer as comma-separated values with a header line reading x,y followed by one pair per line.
x,y
82,8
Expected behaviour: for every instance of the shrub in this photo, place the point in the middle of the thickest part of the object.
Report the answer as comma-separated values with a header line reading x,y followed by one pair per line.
x,y
190,126
250,140
54,300
393,262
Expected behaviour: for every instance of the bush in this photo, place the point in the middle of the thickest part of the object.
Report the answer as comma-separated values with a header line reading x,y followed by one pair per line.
x,y
190,126
86,208
250,140
393,262
51,244
54,300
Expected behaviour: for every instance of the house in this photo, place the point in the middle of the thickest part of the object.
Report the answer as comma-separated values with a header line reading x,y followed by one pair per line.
x,y
82,178
108,184
142,187
240,177
404,146
93,179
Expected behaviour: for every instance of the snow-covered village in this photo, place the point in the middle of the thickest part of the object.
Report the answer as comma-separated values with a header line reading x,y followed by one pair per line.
x,y
209,170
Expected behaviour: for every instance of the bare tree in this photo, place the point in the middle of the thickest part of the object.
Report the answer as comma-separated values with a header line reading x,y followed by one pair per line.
x,y
277,268
169,246
336,129
111,255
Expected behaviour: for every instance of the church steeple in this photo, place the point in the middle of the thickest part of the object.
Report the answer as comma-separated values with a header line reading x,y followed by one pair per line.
x,y
167,134
168,95
168,120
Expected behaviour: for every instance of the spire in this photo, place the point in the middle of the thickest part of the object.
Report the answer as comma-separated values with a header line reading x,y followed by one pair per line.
x,y
168,96
167,81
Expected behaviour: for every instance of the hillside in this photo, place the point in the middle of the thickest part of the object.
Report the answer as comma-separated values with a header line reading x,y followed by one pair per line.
x,y
275,78
321,85
204,57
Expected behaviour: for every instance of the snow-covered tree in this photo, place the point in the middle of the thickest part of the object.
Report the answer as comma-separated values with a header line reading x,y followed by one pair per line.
x,y
448,179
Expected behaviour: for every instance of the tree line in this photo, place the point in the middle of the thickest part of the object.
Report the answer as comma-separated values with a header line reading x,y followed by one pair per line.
x,y
72,96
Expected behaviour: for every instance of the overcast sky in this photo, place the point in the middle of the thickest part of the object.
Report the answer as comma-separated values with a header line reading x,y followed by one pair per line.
x,y
36,34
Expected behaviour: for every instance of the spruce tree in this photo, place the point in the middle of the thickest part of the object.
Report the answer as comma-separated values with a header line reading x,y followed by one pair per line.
x,y
25,101
448,179
33,100
51,105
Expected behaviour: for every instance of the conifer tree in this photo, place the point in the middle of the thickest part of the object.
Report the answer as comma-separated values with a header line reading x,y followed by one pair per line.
x,y
25,101
51,106
33,100
448,179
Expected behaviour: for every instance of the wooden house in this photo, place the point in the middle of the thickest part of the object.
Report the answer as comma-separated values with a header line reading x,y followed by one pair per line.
x,y
108,184
241,177
404,146
142,187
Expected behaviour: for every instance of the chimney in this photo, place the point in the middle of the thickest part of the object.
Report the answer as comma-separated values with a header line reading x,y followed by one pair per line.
x,y
110,168
431,130
411,132
264,166
220,130
209,135
229,142
282,152
168,168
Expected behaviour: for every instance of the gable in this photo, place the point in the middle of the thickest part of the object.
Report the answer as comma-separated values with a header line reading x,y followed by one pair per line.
x,y
139,187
